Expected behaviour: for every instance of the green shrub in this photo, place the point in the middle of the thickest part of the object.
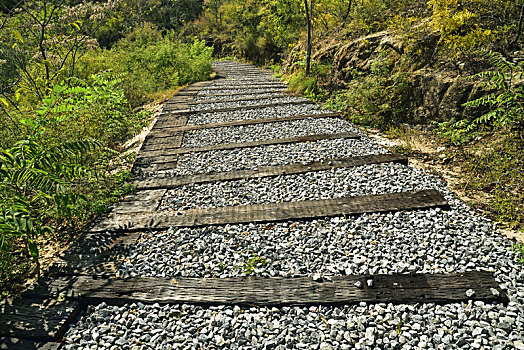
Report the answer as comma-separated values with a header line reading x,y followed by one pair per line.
x,y
148,62
504,98
37,183
374,98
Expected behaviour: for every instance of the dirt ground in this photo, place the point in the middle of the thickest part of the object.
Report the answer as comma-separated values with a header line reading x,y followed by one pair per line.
x,y
430,156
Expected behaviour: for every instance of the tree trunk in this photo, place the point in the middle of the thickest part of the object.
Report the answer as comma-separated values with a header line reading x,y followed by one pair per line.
x,y
308,49
519,30
348,10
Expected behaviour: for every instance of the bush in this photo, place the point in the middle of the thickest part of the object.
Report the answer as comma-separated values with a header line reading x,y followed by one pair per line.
x,y
375,98
50,178
148,63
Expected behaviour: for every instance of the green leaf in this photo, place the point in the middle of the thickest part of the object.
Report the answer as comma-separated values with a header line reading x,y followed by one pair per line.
x,y
33,249
18,35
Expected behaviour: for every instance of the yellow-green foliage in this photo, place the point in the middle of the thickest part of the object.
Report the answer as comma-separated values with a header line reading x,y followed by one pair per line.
x,y
458,25
149,62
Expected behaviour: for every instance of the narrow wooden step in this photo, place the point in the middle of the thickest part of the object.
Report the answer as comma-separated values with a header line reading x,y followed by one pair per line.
x,y
171,129
252,86
165,154
266,91
271,212
232,109
147,200
37,319
269,171
340,290
206,102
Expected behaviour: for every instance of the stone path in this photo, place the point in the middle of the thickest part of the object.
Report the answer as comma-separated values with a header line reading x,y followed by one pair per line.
x,y
302,273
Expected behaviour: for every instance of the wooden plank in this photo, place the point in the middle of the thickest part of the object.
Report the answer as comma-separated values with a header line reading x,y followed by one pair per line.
x,y
269,171
166,154
241,86
247,87
168,130
237,108
24,344
94,254
148,168
271,212
162,143
266,91
34,319
166,120
205,102
146,200
243,83
277,291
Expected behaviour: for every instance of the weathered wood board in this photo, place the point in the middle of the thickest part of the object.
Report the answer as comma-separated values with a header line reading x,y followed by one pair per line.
x,y
37,319
265,91
171,121
271,212
165,155
247,86
162,143
94,254
299,168
169,130
205,102
232,109
148,168
23,344
336,290
146,200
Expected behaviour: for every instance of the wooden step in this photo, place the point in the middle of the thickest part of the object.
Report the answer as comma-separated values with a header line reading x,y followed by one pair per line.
x,y
37,319
278,291
266,91
206,102
232,109
269,171
165,154
253,86
271,212
169,129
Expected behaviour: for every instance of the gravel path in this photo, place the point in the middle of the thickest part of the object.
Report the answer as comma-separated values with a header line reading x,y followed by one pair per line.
x,y
421,241
261,101
248,114
253,158
335,183
267,131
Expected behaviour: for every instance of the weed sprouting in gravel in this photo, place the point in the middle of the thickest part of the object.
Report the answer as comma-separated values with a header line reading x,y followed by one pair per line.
x,y
250,264
519,248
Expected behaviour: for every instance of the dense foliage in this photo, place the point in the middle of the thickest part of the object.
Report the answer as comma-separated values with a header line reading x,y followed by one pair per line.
x,y
474,40
72,75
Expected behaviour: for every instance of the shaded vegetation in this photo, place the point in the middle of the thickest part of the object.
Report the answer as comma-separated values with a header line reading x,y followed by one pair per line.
x,y
73,78
74,75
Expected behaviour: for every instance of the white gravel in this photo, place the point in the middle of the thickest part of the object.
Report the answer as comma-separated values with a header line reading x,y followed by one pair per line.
x,y
267,131
420,241
268,112
260,101
442,241
252,158
335,183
